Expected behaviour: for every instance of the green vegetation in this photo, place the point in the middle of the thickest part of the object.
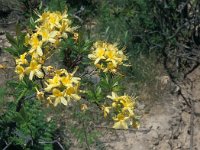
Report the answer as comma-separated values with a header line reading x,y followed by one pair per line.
x,y
147,33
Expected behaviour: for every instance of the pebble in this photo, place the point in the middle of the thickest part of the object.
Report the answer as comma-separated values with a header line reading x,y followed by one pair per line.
x,y
7,44
197,107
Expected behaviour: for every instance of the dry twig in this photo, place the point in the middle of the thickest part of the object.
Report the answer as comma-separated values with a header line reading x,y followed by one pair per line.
x,y
144,130
7,146
52,142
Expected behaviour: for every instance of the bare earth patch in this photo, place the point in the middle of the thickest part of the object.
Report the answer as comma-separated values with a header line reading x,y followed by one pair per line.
x,y
172,123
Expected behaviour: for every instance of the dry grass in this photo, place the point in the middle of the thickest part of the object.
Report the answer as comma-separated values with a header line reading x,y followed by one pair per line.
x,y
147,80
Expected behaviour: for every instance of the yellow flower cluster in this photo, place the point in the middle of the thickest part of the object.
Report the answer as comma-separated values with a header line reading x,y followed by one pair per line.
x,y
106,56
51,27
123,106
61,86
23,67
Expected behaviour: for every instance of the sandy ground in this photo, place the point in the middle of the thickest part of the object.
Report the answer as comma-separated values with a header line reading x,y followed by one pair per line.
x,y
172,123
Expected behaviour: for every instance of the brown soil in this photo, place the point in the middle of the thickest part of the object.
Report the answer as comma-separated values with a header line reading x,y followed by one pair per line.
x,y
172,123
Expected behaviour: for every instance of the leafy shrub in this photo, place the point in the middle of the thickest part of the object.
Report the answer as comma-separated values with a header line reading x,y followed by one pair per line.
x,y
50,32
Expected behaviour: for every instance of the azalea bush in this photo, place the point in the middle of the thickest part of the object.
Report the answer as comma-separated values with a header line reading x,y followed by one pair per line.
x,y
71,84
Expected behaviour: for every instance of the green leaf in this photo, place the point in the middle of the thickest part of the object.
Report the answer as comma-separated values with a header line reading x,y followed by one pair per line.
x,y
40,6
18,118
2,93
22,94
98,91
11,39
18,29
32,22
21,39
23,113
11,50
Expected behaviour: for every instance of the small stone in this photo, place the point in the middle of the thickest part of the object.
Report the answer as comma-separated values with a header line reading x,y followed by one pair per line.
x,y
156,142
153,134
197,107
141,106
154,148
3,37
185,117
6,44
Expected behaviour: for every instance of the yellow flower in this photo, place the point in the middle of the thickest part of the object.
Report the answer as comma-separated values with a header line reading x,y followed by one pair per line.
x,y
97,55
84,107
69,80
49,101
106,56
106,110
54,19
61,72
58,97
65,26
40,59
75,37
48,35
111,55
34,69
36,45
110,67
128,104
121,122
124,106
39,95
22,60
50,29
48,68
100,66
114,96
20,70
71,92
43,17
55,82
121,56
114,58
115,99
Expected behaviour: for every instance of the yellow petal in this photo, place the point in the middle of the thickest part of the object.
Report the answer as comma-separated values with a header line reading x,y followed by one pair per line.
x,y
31,75
64,101
97,60
39,51
120,125
39,74
57,100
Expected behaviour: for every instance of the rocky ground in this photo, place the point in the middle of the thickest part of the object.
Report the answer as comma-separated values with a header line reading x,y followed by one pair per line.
x,y
172,123
6,60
